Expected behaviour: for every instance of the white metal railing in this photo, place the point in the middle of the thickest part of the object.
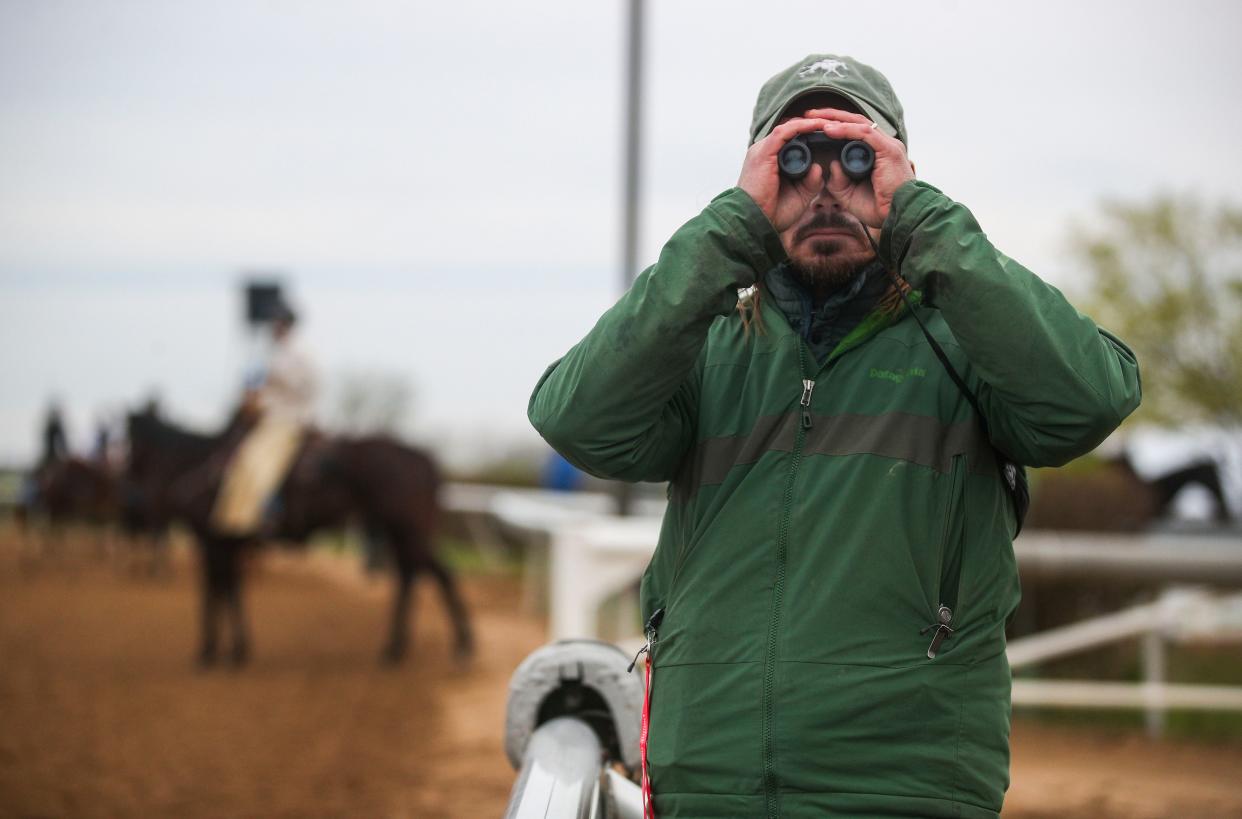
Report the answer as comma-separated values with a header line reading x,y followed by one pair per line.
x,y
595,555
572,717
1179,614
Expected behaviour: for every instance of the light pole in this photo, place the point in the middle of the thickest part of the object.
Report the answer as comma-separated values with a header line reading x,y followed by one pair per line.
x,y
632,126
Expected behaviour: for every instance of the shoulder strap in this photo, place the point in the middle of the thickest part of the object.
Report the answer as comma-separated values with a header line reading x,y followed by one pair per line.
x,y
1012,474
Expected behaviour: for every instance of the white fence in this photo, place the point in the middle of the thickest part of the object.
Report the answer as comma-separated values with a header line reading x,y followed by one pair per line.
x,y
594,555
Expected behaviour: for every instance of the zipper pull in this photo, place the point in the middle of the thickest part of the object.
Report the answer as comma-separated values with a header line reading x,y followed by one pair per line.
x,y
640,653
651,631
807,387
944,615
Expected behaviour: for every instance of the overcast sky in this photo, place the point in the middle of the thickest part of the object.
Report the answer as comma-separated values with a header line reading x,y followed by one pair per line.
x,y
441,184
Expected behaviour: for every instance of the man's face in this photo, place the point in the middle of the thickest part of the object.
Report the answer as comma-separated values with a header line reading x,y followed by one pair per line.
x,y
826,245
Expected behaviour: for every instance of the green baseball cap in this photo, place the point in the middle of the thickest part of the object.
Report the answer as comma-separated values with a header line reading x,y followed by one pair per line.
x,y
857,82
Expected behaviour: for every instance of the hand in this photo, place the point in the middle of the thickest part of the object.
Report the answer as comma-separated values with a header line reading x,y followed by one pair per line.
x,y
782,200
870,199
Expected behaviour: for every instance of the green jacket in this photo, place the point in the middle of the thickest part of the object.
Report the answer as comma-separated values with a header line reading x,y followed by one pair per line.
x,y
814,530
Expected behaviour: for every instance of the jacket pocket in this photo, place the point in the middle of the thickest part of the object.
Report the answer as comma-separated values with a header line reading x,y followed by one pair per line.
x,y
947,617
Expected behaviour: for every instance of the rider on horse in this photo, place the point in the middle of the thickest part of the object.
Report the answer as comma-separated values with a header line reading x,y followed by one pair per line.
x,y
283,403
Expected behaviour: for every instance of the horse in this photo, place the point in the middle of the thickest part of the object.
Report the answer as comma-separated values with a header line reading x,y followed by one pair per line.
x,y
388,487
1113,497
1204,472
75,490
62,492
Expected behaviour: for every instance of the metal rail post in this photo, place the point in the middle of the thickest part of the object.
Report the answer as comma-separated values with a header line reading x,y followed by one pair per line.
x,y
559,778
573,713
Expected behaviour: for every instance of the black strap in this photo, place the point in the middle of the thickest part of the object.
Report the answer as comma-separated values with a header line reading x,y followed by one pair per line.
x,y
1013,474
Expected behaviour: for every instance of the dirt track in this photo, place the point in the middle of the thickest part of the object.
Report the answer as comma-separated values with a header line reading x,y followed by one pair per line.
x,y
102,713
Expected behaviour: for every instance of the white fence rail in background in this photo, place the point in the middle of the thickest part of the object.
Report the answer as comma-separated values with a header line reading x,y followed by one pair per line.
x,y
594,555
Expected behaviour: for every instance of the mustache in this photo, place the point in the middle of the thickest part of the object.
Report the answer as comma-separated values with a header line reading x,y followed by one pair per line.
x,y
821,221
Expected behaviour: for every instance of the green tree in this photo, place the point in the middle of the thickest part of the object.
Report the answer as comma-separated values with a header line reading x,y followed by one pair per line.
x,y
1166,276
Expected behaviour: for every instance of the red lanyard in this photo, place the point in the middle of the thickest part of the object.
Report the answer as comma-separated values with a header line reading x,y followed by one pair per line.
x,y
648,805
650,630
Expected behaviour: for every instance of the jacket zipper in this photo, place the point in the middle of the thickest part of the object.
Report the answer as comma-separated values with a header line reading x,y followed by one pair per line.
x,y
944,616
948,588
778,590
808,386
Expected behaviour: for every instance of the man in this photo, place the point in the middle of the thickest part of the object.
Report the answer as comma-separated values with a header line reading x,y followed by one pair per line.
x,y
284,403
55,442
836,566
53,454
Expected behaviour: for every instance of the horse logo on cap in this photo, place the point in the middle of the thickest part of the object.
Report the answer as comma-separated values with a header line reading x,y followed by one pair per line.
x,y
828,67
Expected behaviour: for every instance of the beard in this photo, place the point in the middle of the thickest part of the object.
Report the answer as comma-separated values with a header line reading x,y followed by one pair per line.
x,y
826,268
827,264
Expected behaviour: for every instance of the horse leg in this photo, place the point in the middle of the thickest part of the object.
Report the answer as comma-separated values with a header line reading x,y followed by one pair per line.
x,y
463,648
233,598
399,631
1222,515
157,540
376,550
209,560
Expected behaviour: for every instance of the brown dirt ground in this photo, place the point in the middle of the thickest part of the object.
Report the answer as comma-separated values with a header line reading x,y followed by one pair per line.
x,y
103,714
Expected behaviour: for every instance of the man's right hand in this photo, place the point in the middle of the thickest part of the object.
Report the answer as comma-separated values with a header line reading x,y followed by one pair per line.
x,y
761,176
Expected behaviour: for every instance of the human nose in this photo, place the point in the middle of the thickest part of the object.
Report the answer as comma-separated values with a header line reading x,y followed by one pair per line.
x,y
823,198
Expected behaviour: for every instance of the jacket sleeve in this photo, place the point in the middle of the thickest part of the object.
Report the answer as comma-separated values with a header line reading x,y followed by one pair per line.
x,y
623,402
1051,384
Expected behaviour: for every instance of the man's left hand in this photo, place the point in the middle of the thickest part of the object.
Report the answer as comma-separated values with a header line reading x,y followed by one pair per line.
x,y
868,200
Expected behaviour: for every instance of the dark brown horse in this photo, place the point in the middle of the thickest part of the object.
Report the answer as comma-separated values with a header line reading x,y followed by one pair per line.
x,y
389,488
64,492
1113,497
74,490
90,493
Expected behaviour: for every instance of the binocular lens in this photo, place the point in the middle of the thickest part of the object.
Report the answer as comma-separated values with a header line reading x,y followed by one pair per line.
x,y
857,157
794,159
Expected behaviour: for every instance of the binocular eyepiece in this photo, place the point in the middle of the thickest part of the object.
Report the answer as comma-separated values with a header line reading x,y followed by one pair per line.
x,y
795,158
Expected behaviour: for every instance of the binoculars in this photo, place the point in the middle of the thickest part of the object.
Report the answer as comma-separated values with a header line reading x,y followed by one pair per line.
x,y
795,158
